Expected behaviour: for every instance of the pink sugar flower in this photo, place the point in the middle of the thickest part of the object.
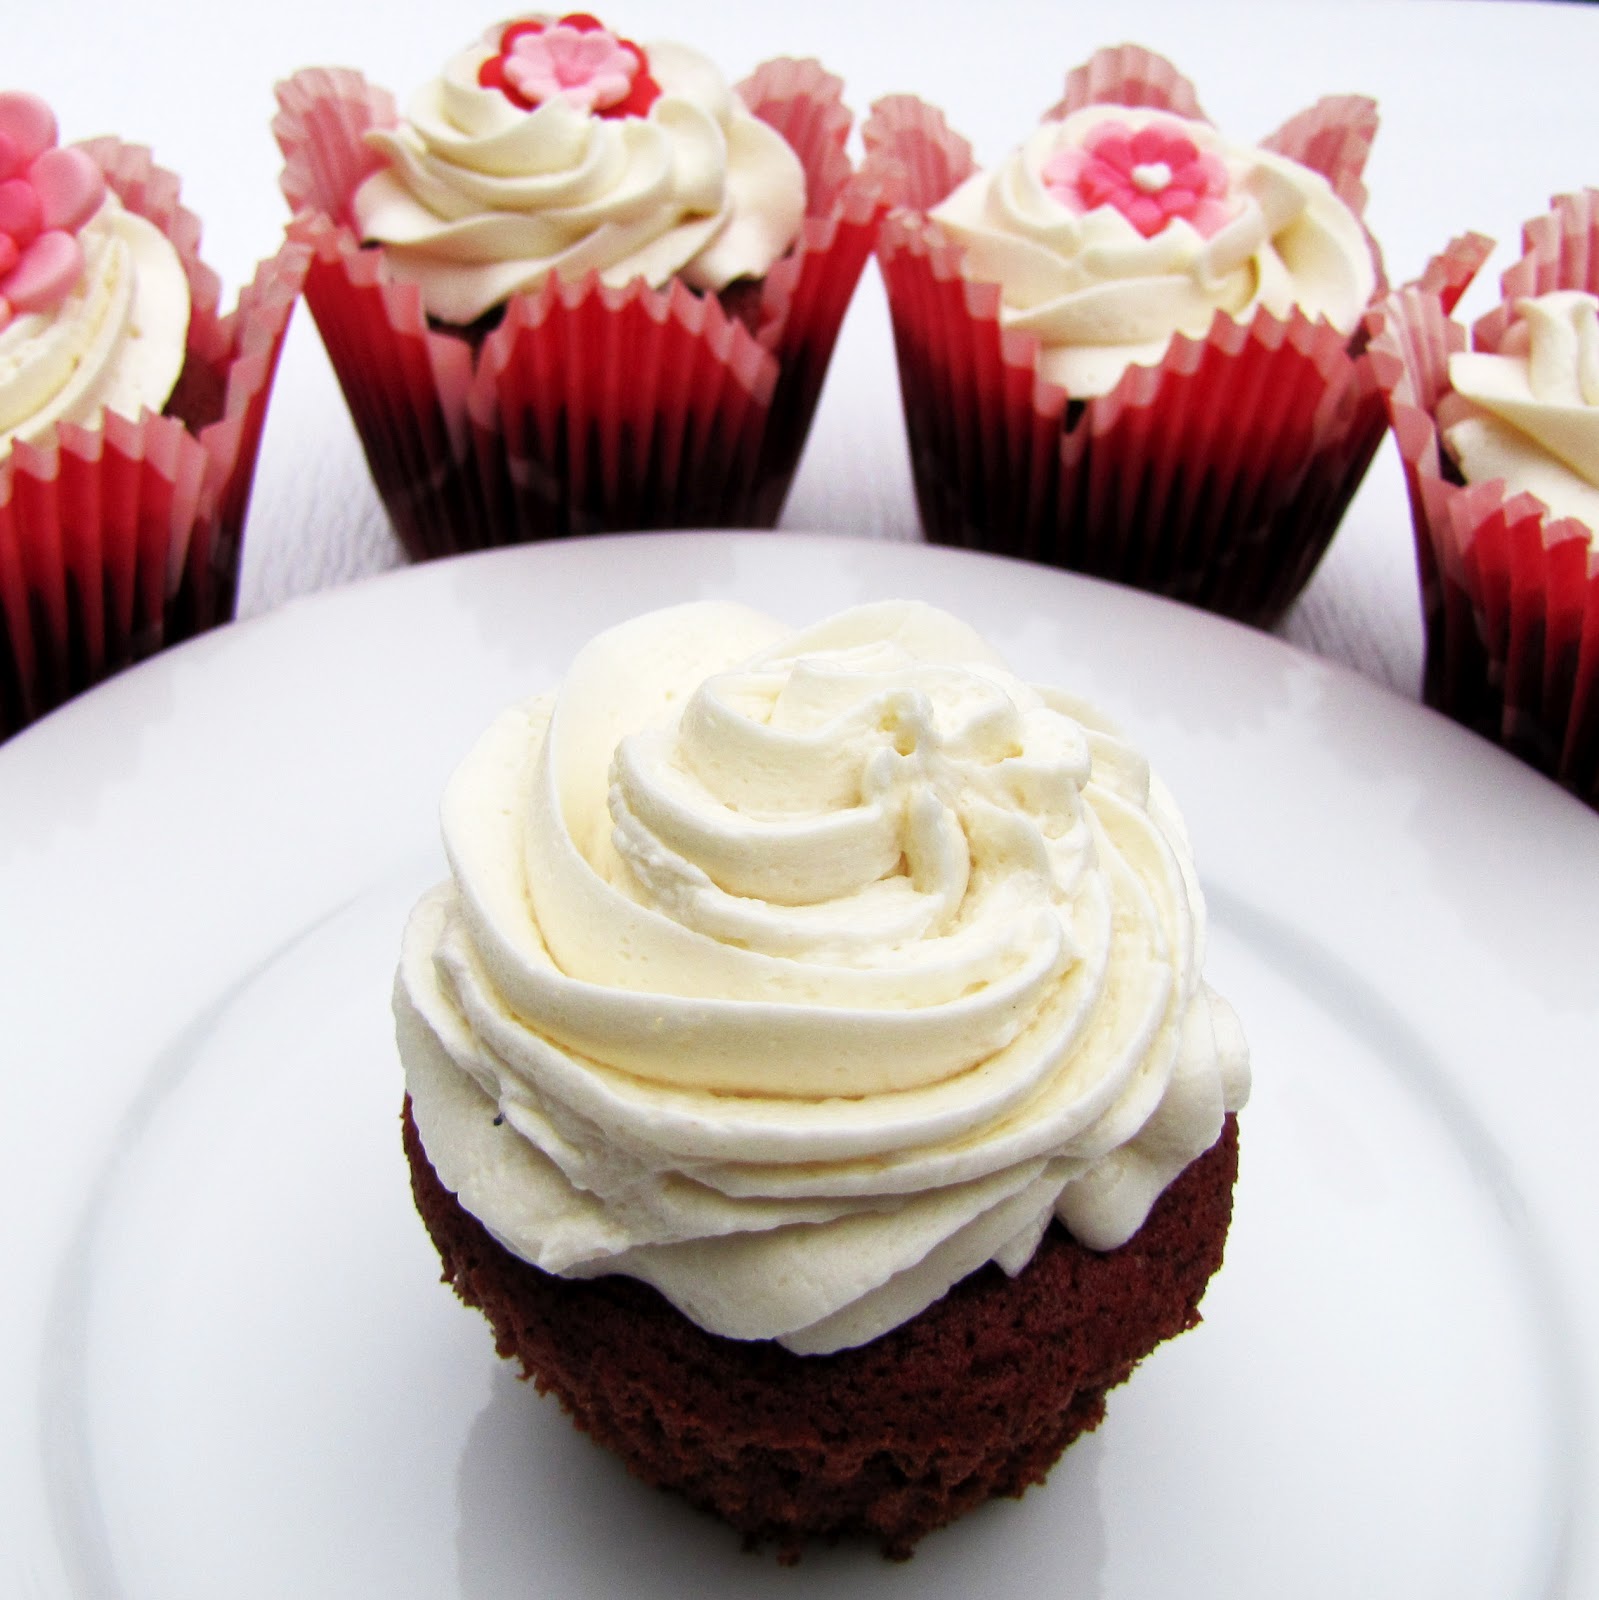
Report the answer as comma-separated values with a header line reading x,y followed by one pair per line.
x,y
1152,176
577,59
46,196
590,69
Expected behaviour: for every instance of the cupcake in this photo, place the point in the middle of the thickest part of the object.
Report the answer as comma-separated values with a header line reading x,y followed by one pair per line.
x,y
809,1067
1136,348
583,285
1499,437
130,411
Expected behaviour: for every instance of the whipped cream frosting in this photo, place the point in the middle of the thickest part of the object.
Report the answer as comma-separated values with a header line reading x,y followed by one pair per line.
x,y
1116,228
800,974
1529,414
481,198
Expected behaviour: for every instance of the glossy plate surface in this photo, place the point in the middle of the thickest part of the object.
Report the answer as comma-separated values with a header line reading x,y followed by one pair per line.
x,y
227,1366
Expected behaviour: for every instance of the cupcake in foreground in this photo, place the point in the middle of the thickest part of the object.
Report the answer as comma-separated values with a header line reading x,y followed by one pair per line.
x,y
130,412
1499,437
1135,348
809,1067
583,285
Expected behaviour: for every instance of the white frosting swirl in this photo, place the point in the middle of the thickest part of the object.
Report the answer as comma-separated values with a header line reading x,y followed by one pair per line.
x,y
1101,296
481,199
1529,414
800,974
116,342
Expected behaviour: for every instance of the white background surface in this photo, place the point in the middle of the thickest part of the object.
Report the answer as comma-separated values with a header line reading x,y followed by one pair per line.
x,y
1487,110
228,1370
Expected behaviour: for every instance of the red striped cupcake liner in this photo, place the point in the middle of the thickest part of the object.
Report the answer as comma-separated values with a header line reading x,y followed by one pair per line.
x,y
1217,477
586,409
120,538
1510,593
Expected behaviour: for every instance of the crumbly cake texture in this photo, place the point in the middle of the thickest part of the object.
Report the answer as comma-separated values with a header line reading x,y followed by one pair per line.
x,y
975,1397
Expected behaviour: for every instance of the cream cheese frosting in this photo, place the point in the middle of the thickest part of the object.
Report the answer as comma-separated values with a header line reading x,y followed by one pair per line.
x,y
801,973
94,302
1529,413
1115,228
482,197
116,342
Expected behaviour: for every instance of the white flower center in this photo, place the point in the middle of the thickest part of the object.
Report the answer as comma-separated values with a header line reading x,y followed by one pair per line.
x,y
1151,176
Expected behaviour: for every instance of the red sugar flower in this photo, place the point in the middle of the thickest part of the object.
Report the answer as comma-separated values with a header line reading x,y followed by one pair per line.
x,y
46,195
1152,176
577,59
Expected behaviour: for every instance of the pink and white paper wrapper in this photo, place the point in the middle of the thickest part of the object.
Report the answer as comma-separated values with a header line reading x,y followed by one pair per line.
x,y
586,409
1510,593
1217,477
120,538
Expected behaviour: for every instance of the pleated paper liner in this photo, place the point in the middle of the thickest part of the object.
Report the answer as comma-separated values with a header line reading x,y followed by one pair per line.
x,y
585,409
1217,477
123,537
1510,593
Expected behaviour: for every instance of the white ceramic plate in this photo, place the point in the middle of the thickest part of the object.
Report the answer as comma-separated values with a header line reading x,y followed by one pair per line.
x,y
227,1367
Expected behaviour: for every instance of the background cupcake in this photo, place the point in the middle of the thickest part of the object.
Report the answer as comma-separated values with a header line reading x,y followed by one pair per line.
x,y
130,411
1135,349
583,286
1499,437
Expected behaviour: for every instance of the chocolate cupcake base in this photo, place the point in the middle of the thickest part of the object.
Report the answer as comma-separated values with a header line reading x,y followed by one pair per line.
x,y
977,1396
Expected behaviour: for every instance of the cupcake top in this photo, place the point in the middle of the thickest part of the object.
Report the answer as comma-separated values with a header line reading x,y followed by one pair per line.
x,y
94,303
1528,413
1115,228
555,146
801,974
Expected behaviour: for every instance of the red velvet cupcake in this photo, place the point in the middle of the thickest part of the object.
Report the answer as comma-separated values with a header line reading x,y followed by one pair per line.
x,y
1499,436
810,1071
1135,349
130,412
552,307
